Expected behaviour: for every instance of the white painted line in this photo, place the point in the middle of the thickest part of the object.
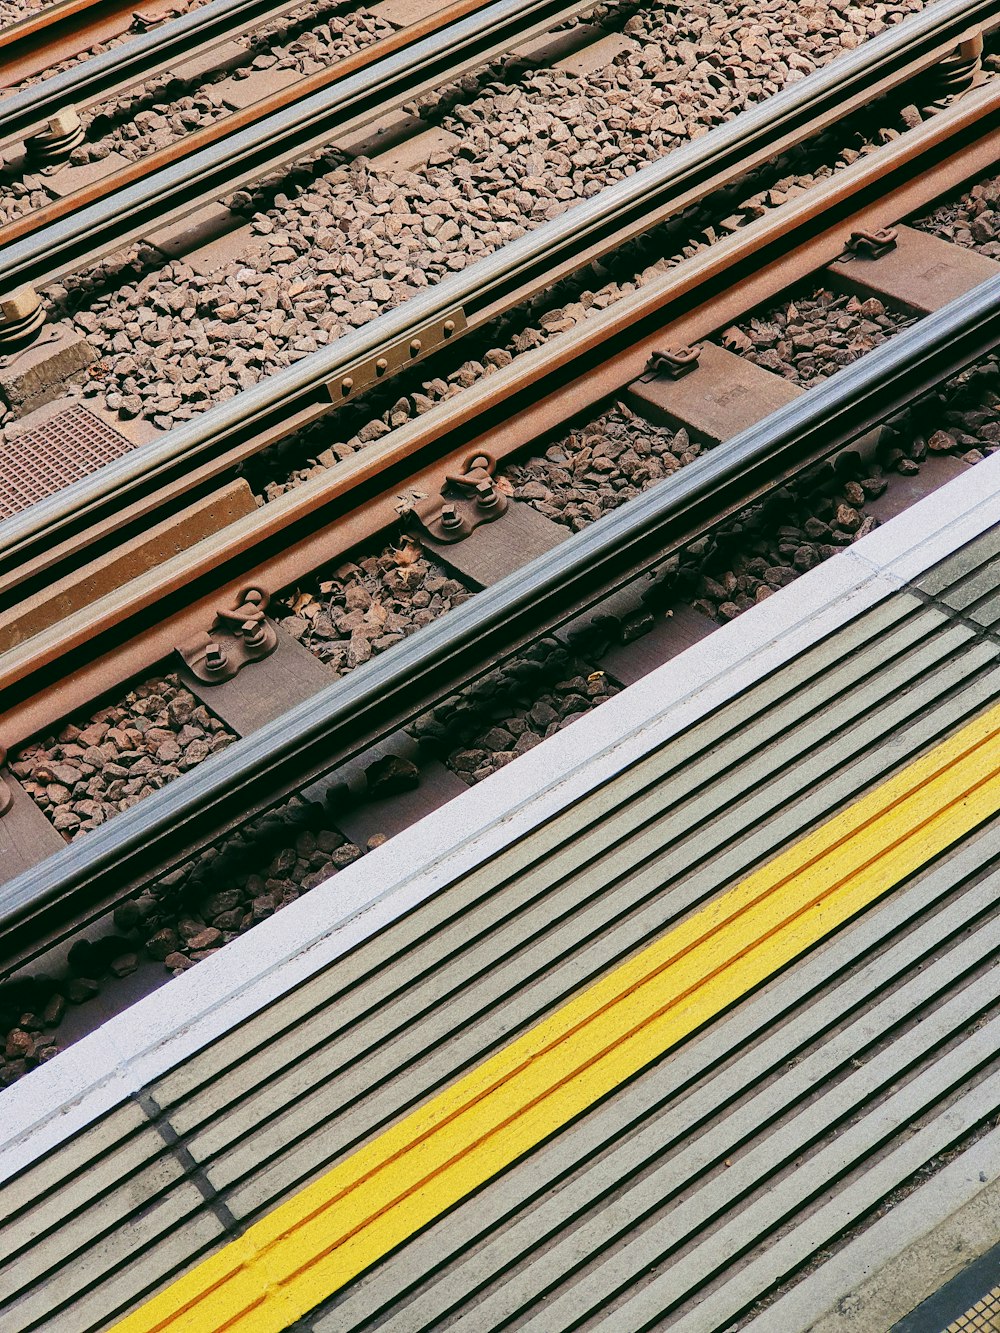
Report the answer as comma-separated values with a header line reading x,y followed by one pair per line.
x,y
162,1030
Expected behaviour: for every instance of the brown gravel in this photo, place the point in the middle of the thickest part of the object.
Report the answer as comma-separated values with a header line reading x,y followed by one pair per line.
x,y
770,545
166,117
178,921
163,110
815,335
362,608
767,547
349,247
598,467
307,455
511,710
114,758
972,221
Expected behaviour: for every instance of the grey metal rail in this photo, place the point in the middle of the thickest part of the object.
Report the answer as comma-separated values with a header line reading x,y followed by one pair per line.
x,y
686,169
273,142
151,53
84,879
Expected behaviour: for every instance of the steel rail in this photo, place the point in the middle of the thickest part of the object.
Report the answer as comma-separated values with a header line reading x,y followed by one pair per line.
x,y
46,17
77,885
59,657
127,631
145,55
438,17
684,175
271,143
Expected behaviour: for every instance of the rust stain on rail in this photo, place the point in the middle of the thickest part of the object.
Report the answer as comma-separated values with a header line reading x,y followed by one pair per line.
x,y
239,120
62,31
552,410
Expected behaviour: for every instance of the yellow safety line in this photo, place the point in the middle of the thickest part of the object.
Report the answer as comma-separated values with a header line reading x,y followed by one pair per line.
x,y
332,1230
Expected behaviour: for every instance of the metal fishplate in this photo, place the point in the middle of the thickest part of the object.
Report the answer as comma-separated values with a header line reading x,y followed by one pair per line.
x,y
239,635
467,499
673,362
383,365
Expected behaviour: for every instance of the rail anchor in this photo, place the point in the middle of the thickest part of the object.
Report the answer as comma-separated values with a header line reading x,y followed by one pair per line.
x,y
870,244
467,499
240,635
674,361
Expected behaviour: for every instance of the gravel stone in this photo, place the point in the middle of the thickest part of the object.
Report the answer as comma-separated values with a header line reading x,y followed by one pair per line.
x,y
972,220
132,748
176,341
511,710
360,609
813,336
598,467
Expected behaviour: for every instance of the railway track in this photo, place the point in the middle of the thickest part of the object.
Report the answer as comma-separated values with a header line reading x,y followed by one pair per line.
x,y
74,639
679,417
35,40
85,880
759,1112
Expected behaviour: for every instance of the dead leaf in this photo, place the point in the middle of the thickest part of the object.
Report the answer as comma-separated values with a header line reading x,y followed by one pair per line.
x,y
737,340
503,486
408,554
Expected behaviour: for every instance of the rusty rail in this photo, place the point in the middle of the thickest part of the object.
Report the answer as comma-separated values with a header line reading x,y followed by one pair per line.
x,y
67,29
115,71
540,392
79,884
570,240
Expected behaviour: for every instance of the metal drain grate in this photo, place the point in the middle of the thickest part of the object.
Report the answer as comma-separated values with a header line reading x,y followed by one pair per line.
x,y
40,462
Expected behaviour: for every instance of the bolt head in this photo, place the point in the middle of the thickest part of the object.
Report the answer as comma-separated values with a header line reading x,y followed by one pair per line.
x,y
21,303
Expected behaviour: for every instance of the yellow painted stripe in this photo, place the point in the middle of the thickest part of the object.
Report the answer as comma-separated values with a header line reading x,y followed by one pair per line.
x,y
357,1212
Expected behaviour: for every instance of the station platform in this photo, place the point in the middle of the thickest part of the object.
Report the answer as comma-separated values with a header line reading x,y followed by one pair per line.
x,y
689,1019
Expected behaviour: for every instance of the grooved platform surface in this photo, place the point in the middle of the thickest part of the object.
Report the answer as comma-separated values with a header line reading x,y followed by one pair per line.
x,y
646,1066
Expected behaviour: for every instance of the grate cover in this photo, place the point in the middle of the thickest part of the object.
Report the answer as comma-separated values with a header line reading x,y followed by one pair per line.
x,y
65,448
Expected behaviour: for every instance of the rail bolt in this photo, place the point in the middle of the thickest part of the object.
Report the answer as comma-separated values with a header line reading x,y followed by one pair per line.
x,y
255,633
487,496
450,518
216,659
21,316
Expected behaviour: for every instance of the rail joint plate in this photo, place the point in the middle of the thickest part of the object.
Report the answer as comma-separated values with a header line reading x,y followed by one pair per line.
x,y
382,365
